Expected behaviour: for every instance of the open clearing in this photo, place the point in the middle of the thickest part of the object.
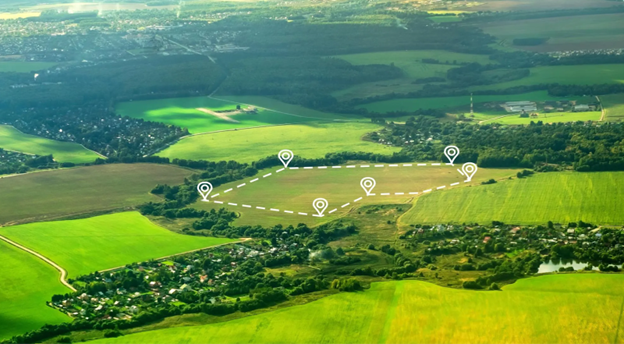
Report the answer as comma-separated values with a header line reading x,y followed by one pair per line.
x,y
411,64
26,284
555,196
306,140
556,117
18,15
23,67
534,5
103,242
15,140
411,61
188,113
53,194
463,102
614,106
598,31
294,190
566,75
278,106
582,308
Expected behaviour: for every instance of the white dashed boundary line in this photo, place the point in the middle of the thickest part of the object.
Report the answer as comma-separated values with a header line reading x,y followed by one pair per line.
x,y
344,205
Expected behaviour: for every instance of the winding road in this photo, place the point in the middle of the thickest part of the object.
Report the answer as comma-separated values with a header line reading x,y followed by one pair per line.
x,y
63,272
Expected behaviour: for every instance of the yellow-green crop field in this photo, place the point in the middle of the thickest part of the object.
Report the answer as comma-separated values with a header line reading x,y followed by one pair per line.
x,y
593,197
52,194
294,190
581,308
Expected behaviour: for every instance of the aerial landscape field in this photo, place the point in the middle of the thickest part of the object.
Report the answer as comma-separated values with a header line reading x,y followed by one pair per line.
x,y
331,171
50,194
518,201
386,313
116,239
25,291
13,139
296,189
310,140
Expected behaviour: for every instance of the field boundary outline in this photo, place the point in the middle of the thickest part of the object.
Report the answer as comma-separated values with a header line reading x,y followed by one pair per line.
x,y
368,194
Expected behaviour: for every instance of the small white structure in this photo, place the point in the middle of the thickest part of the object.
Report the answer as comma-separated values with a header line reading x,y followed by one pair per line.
x,y
520,106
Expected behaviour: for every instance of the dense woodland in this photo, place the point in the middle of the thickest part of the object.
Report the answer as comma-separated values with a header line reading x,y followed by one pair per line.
x,y
581,146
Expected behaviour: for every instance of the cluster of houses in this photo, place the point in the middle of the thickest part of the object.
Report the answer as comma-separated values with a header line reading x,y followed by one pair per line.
x,y
511,237
110,295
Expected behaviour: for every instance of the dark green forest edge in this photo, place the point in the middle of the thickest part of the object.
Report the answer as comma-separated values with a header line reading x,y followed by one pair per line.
x,y
289,61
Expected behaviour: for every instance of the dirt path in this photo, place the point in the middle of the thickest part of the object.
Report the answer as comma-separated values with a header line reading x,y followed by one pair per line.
x,y
603,116
221,115
38,255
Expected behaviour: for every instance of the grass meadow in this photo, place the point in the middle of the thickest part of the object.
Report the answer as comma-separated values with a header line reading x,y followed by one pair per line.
x,y
411,104
583,308
614,106
558,196
312,140
15,140
556,117
52,194
23,67
103,242
183,112
411,61
294,190
26,283
599,31
566,75
278,106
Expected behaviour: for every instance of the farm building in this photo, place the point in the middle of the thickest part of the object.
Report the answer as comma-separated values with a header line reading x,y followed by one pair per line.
x,y
581,107
520,106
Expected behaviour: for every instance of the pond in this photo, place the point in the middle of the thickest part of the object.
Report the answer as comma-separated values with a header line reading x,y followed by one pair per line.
x,y
552,266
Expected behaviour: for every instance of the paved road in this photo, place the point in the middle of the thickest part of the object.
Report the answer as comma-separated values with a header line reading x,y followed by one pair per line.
x,y
63,277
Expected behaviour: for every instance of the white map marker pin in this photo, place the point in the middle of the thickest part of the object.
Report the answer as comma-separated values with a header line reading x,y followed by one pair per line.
x,y
469,169
204,189
320,204
367,183
451,153
285,156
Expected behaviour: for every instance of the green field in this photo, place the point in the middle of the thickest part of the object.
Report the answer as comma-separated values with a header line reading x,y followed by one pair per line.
x,y
53,194
614,106
411,61
566,75
557,196
557,117
15,140
26,283
308,141
183,112
602,31
411,104
23,67
583,308
278,106
295,190
103,242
